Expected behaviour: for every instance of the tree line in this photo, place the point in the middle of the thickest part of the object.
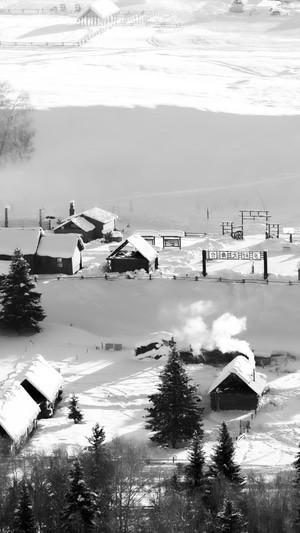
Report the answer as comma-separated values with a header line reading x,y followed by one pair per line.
x,y
110,488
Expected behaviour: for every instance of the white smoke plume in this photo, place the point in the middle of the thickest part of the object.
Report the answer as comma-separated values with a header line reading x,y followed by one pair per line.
x,y
221,335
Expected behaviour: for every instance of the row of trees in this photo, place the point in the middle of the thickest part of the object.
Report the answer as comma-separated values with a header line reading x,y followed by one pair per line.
x,y
110,488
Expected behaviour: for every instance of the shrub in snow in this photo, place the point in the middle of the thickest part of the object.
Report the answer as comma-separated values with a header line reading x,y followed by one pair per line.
x,y
174,414
21,308
74,413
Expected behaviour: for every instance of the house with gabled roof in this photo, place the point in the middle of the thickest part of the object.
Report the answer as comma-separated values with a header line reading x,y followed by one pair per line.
x,y
98,12
134,253
44,384
59,254
91,224
238,386
26,239
18,416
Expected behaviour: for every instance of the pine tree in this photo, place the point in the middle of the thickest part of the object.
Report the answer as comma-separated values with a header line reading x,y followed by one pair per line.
x,y
230,519
97,439
21,308
296,465
75,414
194,471
174,415
23,518
79,512
222,459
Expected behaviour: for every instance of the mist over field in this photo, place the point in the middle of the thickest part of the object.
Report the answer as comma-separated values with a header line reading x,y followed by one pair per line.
x,y
163,162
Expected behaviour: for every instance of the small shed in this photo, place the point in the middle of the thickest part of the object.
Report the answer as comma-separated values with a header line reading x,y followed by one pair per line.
x,y
18,416
238,386
172,238
44,384
26,239
91,224
99,12
237,6
134,253
59,254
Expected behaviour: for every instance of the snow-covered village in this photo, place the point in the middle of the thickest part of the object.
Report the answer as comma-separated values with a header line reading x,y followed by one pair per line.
x,y
149,266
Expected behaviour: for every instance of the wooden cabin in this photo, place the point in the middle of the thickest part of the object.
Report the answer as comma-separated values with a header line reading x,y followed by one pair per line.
x,y
44,384
18,417
90,224
134,253
98,12
25,239
59,254
237,387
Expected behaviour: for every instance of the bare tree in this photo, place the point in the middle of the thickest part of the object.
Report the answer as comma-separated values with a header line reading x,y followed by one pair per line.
x,y
16,129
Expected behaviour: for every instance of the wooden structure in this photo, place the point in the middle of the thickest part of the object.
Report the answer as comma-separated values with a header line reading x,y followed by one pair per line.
x,y
171,238
237,6
272,230
236,232
44,384
90,224
149,235
59,254
238,386
18,417
98,12
26,239
134,253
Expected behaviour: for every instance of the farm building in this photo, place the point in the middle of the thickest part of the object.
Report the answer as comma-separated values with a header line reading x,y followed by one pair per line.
x,y
44,384
98,12
237,6
134,253
26,239
18,416
90,224
59,254
238,386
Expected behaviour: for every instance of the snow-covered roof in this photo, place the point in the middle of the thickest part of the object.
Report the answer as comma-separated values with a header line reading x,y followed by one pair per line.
x,y
83,224
101,8
26,239
171,233
44,378
95,213
245,370
17,411
142,246
59,245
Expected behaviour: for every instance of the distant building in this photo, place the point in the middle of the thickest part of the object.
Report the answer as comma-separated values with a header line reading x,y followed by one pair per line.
x,y
44,384
18,416
59,254
237,6
98,12
90,224
134,253
238,386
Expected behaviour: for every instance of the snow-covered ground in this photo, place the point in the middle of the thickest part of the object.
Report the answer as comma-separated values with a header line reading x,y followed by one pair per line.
x,y
112,386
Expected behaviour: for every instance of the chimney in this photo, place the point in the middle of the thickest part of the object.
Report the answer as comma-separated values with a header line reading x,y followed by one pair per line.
x,y
72,208
6,216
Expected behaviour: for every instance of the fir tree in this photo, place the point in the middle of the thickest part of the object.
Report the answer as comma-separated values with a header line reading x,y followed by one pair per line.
x,y
75,414
194,471
23,518
96,440
296,465
222,459
174,415
79,512
230,519
21,308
